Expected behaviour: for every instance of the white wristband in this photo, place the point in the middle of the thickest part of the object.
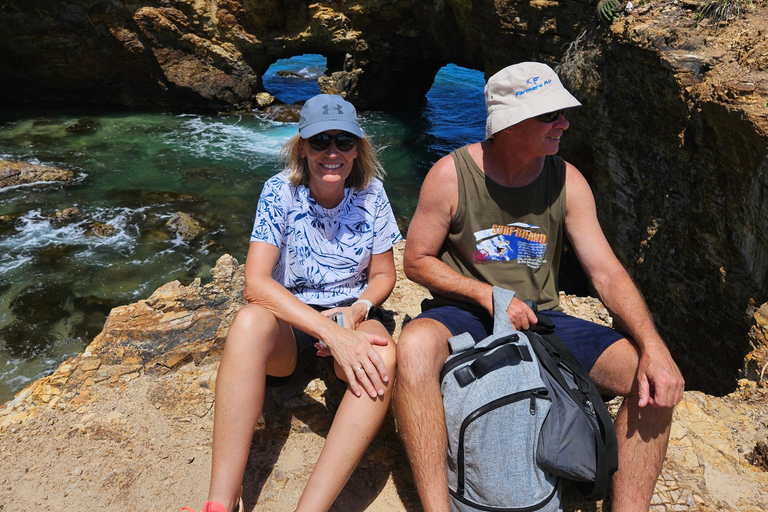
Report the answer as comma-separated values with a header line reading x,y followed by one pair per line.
x,y
367,303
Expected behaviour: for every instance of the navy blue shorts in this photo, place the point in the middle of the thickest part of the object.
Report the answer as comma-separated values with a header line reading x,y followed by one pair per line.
x,y
306,353
587,340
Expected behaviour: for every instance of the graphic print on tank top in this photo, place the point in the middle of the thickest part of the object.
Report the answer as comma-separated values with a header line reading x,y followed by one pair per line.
x,y
518,241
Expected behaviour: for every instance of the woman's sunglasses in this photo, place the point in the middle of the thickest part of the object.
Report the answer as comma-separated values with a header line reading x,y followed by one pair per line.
x,y
344,141
551,116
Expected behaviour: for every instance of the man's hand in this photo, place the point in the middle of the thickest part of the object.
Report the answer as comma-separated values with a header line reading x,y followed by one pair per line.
x,y
521,316
660,383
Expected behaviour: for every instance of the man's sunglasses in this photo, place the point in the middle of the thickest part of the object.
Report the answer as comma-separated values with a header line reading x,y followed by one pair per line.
x,y
551,116
344,141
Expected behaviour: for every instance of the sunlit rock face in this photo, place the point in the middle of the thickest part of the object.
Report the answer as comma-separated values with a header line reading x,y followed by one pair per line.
x,y
140,403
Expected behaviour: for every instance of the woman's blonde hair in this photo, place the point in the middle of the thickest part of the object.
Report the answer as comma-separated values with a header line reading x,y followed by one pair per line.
x,y
364,168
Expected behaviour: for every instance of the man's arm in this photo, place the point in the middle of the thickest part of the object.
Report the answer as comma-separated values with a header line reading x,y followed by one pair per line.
x,y
659,380
426,234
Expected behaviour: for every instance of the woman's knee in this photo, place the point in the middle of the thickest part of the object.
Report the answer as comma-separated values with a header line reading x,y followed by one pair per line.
x,y
387,352
255,318
252,326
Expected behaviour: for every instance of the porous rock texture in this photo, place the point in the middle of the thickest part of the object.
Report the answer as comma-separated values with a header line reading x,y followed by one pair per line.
x,y
127,424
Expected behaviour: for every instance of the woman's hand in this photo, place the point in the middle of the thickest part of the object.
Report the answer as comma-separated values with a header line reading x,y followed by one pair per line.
x,y
353,351
353,317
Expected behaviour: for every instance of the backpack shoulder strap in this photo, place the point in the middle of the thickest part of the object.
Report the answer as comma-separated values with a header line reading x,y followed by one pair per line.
x,y
607,443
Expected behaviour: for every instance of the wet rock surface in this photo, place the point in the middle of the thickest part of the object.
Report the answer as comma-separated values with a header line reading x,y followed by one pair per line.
x,y
133,415
183,225
13,173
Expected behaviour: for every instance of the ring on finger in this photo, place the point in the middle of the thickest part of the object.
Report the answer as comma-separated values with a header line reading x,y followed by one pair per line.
x,y
358,369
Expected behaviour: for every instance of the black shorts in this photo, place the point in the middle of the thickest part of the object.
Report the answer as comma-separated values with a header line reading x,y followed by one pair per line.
x,y
306,353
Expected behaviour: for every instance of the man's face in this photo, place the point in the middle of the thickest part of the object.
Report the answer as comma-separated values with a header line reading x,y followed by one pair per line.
x,y
540,137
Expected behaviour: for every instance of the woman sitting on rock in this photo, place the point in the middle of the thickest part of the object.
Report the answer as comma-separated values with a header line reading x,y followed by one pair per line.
x,y
321,244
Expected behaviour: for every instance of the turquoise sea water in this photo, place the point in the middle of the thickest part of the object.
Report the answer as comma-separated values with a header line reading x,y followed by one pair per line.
x,y
58,280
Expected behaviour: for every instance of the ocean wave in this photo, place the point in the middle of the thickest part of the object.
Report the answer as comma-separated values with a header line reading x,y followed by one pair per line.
x,y
36,231
256,140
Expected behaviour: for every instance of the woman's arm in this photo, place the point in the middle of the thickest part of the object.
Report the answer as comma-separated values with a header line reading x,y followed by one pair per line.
x,y
351,349
381,281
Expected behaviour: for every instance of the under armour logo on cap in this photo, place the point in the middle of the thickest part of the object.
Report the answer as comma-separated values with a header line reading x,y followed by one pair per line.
x,y
329,107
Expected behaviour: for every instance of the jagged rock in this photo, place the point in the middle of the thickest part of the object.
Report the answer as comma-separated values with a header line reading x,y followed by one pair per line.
x,y
290,74
283,113
184,226
691,236
264,100
67,214
9,218
8,223
101,229
756,362
14,173
133,413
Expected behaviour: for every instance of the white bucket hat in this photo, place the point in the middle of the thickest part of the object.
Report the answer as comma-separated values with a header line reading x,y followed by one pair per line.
x,y
328,112
523,91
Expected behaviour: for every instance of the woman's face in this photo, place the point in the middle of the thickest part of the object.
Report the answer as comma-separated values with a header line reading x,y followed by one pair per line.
x,y
331,165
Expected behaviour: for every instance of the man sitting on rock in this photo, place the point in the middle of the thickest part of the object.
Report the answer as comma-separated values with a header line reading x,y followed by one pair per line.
x,y
494,213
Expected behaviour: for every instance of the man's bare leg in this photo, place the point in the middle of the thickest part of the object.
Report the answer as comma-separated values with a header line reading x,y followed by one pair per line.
x,y
418,405
643,432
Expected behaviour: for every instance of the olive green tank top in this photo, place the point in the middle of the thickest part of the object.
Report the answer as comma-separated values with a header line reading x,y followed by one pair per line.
x,y
508,237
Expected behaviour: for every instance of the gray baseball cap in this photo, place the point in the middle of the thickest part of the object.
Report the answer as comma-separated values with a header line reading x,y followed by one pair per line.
x,y
523,91
328,112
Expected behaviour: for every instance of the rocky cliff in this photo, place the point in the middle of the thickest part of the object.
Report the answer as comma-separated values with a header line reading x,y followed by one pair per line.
x,y
127,424
205,54
673,134
678,160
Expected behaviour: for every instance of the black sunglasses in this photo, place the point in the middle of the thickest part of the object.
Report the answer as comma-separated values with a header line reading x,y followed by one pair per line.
x,y
551,116
344,141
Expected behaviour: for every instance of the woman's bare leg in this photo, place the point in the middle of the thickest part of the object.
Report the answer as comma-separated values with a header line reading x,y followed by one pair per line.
x,y
257,343
356,423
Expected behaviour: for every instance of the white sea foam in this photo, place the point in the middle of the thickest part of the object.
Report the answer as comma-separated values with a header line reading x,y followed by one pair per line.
x,y
309,72
79,178
36,231
9,263
216,140
155,256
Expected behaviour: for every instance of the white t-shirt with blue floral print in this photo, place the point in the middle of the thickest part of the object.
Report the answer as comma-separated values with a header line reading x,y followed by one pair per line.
x,y
324,254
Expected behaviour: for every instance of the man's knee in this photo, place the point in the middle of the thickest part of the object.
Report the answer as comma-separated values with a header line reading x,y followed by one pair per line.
x,y
422,349
615,370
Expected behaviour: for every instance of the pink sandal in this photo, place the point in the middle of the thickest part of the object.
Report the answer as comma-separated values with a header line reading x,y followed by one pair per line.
x,y
215,506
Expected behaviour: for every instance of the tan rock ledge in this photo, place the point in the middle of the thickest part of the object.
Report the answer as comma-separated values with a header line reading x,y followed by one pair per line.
x,y
127,424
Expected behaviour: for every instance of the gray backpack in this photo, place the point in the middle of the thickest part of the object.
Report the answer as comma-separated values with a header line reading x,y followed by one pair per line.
x,y
495,405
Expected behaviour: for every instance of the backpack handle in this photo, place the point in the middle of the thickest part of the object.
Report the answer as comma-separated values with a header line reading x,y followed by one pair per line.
x,y
502,298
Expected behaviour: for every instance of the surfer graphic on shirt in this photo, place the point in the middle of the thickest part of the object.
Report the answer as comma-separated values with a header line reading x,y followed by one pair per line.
x,y
518,241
